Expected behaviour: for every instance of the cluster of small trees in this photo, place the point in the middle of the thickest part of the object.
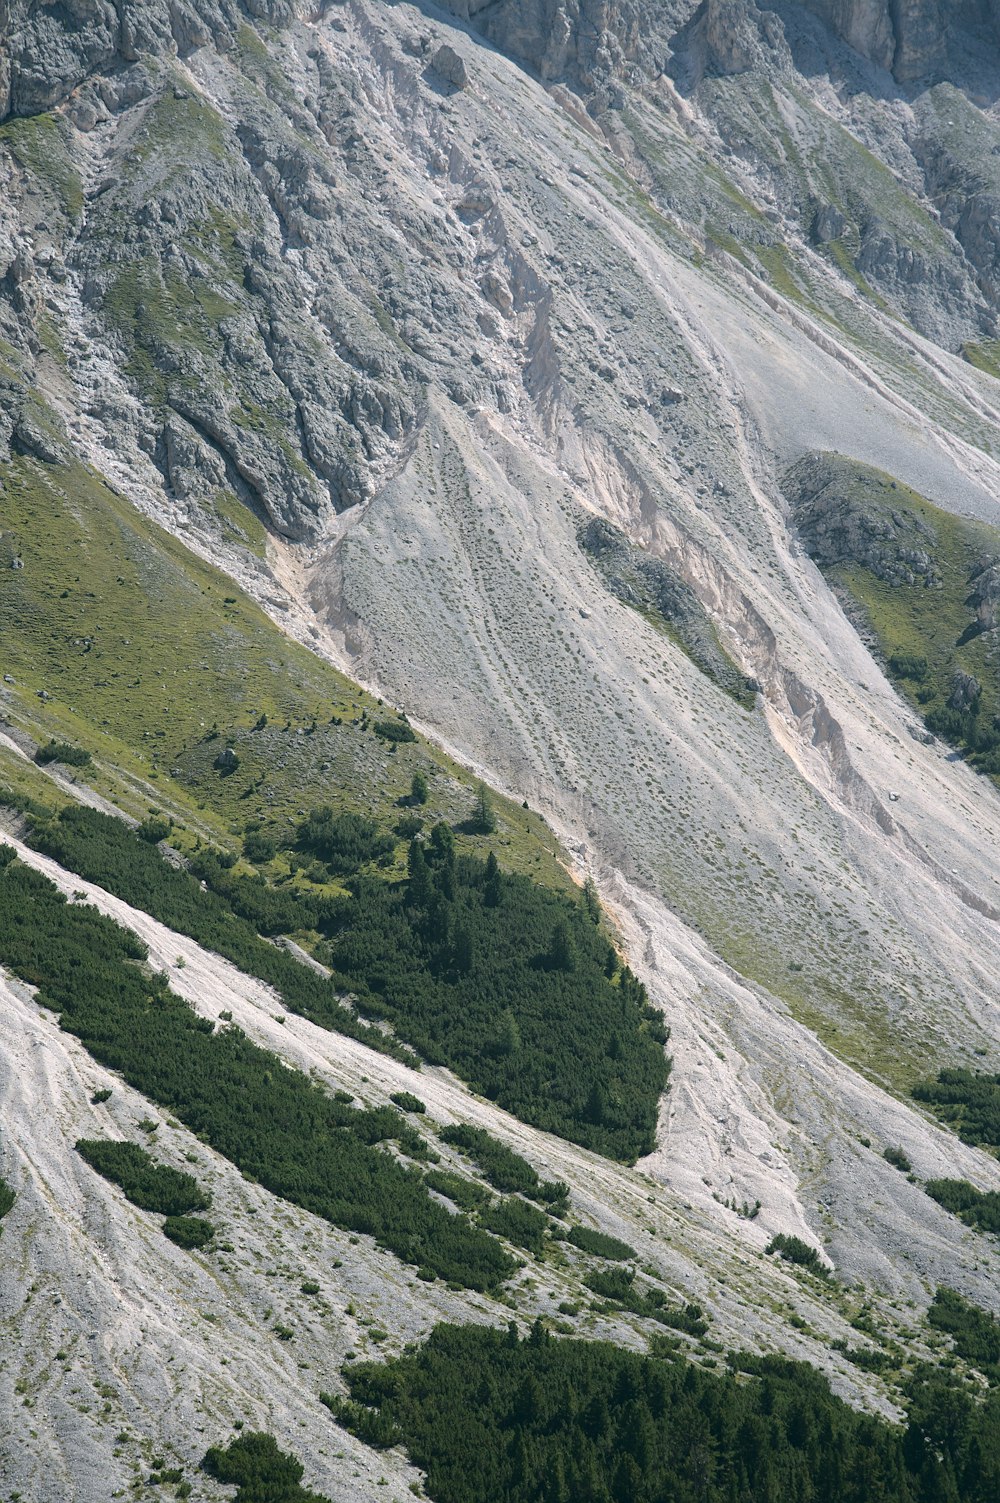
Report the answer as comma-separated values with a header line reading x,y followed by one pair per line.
x,y
969,1100
62,751
273,1123
514,987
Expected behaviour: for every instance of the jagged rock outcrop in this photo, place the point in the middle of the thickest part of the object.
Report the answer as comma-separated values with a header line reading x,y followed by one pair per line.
x,y
50,49
846,520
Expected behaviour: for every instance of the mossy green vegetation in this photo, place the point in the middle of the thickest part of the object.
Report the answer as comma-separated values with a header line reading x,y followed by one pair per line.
x,y
925,585
486,1414
259,1470
7,1198
147,1184
38,143
984,356
272,1122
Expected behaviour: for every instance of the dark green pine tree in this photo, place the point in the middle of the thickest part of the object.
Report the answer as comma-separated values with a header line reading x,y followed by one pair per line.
x,y
419,887
492,889
562,951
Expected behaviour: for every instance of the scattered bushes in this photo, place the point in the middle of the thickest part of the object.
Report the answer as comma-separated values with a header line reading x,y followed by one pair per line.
x,y
897,1158
618,1286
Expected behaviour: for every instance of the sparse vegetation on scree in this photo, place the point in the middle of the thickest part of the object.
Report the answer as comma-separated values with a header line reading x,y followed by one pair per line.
x,y
488,1415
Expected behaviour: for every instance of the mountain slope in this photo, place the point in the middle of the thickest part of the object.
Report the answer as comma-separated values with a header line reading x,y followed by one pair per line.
x,y
386,314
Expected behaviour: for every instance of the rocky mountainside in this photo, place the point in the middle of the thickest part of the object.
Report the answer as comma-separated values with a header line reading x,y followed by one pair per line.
x,y
611,389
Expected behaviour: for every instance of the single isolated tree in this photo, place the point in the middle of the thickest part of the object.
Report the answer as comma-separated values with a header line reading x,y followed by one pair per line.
x,y
418,788
483,817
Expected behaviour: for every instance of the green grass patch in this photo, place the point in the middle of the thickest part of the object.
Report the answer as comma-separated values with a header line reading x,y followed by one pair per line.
x,y
984,356
39,144
153,659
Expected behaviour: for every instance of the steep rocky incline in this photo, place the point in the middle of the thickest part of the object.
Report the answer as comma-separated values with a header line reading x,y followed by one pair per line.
x,y
522,359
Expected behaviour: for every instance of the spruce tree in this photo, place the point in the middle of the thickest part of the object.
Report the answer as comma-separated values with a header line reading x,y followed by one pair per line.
x,y
484,818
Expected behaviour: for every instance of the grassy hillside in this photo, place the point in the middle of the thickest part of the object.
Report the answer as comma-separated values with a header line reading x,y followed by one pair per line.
x,y
919,583
121,640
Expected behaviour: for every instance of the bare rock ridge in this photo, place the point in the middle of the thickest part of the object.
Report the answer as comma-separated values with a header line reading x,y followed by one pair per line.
x,y
594,40
51,50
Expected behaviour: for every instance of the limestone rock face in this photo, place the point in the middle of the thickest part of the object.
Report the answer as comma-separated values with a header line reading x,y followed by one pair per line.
x,y
50,49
